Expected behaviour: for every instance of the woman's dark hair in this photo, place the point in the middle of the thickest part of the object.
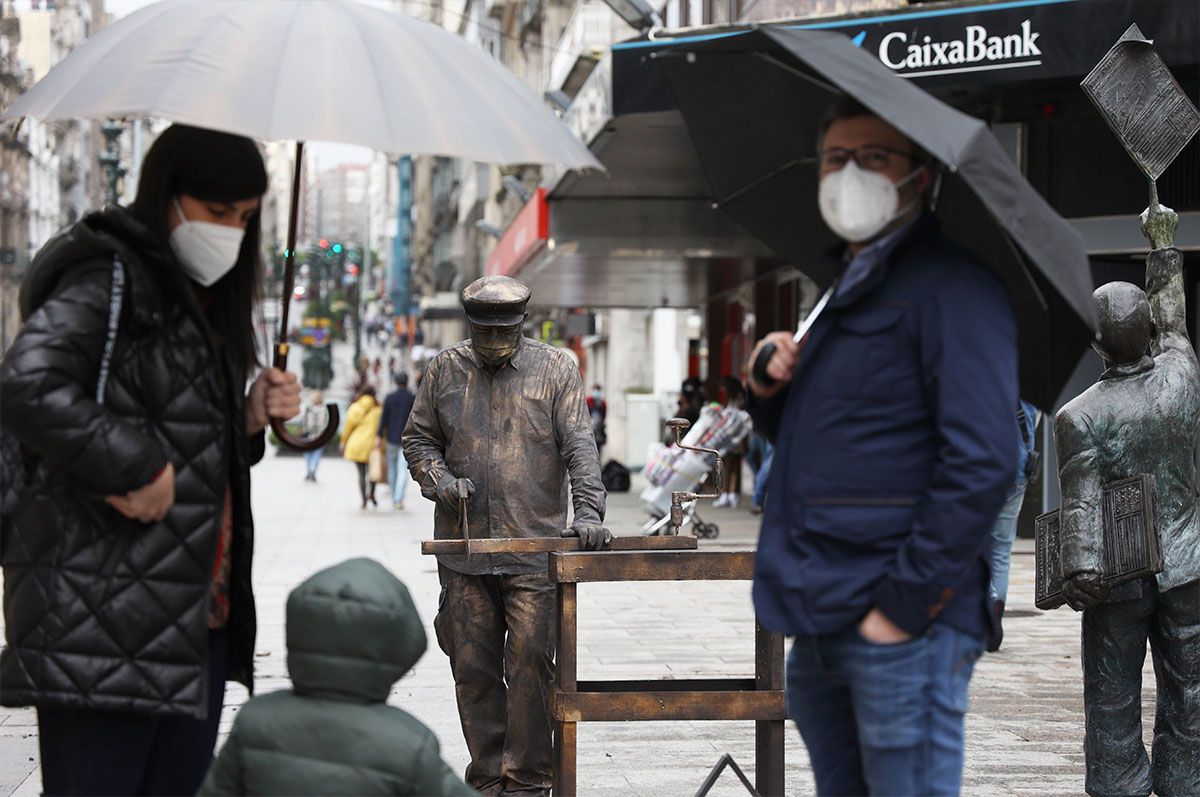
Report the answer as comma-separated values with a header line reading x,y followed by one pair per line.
x,y
213,167
365,390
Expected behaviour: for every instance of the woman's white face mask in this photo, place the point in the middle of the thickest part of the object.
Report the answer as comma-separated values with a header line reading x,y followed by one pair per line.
x,y
858,204
206,251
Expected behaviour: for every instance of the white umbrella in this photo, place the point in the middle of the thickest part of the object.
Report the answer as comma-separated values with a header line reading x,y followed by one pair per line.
x,y
306,70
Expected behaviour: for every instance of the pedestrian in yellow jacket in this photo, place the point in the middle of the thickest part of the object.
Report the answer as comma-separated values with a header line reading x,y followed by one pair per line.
x,y
358,438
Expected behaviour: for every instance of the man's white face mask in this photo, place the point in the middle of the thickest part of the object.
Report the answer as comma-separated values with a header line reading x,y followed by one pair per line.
x,y
858,204
206,251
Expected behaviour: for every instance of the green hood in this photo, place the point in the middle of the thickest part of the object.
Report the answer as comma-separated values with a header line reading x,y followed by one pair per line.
x,y
352,632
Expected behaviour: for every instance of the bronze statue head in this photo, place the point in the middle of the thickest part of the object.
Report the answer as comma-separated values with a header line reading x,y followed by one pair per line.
x,y
1126,327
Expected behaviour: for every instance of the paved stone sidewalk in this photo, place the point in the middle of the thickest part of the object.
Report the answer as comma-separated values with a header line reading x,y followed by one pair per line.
x,y
1024,729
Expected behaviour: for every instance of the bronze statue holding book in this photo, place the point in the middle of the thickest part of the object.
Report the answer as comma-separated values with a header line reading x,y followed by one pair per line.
x,y
1129,527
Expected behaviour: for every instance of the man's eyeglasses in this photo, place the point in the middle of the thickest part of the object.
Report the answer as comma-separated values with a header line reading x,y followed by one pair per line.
x,y
872,158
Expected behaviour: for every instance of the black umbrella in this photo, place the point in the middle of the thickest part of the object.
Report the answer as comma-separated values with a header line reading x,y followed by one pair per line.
x,y
752,103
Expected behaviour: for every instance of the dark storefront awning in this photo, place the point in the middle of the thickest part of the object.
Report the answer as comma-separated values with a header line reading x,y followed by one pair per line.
x,y
956,48
645,234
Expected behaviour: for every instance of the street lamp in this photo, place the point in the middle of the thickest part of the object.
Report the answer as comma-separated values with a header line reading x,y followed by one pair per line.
x,y
638,13
110,160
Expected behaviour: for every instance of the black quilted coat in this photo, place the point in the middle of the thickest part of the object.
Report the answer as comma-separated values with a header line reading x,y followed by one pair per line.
x,y
100,611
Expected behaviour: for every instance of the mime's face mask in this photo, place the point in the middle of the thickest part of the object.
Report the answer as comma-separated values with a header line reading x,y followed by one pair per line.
x,y
495,345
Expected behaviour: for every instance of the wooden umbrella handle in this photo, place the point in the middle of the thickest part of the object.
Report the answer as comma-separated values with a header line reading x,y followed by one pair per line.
x,y
295,442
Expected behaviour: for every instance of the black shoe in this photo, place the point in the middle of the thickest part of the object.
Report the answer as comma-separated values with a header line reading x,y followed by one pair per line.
x,y
997,635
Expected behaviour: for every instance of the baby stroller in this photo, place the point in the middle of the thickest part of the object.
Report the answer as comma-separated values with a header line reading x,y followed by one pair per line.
x,y
677,469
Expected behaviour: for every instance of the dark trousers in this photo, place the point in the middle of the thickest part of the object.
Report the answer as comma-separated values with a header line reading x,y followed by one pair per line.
x,y
366,487
1114,648
499,634
126,753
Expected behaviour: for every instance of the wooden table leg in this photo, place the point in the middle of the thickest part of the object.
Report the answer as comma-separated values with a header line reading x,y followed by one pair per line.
x,y
565,673
768,734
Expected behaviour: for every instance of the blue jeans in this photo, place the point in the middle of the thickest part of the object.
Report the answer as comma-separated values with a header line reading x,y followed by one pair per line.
x,y
764,473
1004,533
397,471
883,719
311,460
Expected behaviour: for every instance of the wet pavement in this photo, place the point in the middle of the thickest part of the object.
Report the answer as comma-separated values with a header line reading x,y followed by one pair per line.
x,y
1024,730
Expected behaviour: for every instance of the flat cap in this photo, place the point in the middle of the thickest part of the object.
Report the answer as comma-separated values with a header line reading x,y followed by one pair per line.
x,y
495,301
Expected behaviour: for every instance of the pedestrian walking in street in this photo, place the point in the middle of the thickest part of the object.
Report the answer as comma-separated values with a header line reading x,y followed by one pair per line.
x,y
500,422
396,409
598,413
895,445
762,476
1004,530
352,631
358,438
731,490
127,564
312,424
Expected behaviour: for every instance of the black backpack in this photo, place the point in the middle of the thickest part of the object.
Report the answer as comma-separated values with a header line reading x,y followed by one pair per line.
x,y
615,477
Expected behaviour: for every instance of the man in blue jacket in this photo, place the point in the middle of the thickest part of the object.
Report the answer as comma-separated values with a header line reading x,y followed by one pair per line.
x,y
895,444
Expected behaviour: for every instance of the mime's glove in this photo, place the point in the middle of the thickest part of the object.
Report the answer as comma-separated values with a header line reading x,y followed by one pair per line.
x,y
448,493
592,535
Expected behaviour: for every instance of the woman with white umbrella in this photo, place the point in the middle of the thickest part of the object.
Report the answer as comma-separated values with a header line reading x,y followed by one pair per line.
x,y
127,597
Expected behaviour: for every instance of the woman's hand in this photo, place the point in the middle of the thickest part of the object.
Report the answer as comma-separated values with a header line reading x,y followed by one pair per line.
x,y
275,394
151,503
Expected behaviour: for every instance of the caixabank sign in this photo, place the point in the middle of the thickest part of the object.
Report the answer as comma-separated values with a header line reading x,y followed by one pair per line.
x,y
1017,39
960,44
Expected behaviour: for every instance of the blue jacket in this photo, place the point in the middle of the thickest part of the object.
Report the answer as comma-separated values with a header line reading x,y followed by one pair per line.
x,y
895,446
396,408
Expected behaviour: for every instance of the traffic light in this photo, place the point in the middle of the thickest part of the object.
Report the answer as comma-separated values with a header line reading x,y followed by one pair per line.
x,y
337,249
323,243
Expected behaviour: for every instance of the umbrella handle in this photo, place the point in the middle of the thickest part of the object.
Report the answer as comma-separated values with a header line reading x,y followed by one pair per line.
x,y
295,442
759,369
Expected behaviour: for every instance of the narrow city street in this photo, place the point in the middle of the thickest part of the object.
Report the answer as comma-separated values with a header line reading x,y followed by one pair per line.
x,y
1025,730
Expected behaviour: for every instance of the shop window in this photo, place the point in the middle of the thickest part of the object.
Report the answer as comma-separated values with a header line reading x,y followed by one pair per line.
x,y
1082,170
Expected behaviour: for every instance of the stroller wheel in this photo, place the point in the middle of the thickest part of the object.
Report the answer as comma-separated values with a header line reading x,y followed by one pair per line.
x,y
707,531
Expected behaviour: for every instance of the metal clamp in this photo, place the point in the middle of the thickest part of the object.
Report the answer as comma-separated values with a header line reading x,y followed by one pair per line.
x,y
680,497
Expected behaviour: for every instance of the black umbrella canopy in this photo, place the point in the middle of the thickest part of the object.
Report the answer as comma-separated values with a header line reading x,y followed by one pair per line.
x,y
752,103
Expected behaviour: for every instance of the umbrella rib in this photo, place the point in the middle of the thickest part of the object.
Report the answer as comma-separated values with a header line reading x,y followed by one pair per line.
x,y
772,59
370,55
279,74
755,183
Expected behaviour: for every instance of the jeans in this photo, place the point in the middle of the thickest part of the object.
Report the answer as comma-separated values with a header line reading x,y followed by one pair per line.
x,y
127,753
1114,648
312,459
883,719
397,471
1004,533
763,474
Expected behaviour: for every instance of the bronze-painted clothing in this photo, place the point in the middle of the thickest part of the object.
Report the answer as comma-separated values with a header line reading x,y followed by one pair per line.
x,y
501,680
516,434
1139,418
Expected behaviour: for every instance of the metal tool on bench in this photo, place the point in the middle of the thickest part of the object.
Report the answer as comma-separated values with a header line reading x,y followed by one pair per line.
x,y
463,488
759,368
680,497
